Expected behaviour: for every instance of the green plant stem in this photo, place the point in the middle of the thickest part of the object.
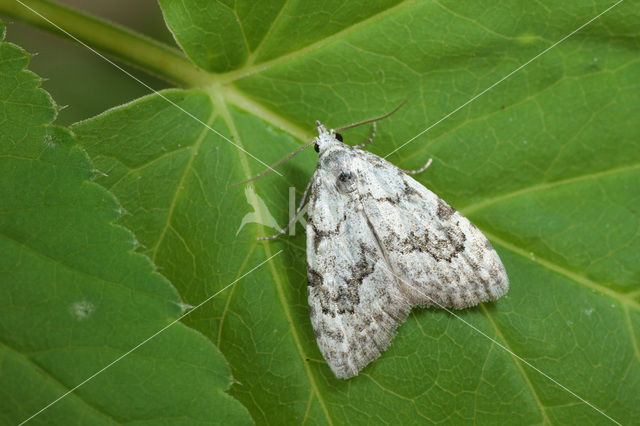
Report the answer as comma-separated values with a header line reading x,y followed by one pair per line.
x,y
118,42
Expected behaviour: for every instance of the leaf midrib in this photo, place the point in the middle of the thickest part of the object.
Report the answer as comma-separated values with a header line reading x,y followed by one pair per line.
x,y
219,104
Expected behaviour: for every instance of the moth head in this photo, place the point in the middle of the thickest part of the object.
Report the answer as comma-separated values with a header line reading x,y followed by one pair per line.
x,y
325,139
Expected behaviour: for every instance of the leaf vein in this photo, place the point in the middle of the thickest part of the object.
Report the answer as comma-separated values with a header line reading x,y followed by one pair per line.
x,y
624,299
516,361
245,72
472,208
179,187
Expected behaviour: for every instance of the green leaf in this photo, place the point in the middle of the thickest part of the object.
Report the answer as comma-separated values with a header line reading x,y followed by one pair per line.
x,y
74,295
546,163
219,37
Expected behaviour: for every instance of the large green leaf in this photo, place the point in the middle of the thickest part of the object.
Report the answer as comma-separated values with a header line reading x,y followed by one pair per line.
x,y
547,164
75,296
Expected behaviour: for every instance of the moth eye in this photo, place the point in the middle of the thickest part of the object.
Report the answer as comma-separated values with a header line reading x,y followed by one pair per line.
x,y
316,147
339,137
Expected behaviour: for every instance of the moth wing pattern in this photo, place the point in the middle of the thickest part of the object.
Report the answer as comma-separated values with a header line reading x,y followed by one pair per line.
x,y
353,299
441,258
381,249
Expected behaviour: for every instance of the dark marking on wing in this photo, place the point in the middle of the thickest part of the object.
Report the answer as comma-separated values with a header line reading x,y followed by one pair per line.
x,y
347,298
456,237
408,190
439,248
324,330
364,267
325,298
314,278
318,236
445,211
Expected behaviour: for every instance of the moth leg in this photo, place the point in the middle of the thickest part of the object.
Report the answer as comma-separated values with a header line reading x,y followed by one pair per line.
x,y
420,170
295,216
368,141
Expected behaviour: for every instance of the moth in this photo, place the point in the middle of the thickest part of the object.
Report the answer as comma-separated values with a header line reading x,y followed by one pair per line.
x,y
378,244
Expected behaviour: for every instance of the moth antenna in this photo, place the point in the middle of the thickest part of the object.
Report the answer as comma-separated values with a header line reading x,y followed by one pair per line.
x,y
288,157
420,170
368,141
372,119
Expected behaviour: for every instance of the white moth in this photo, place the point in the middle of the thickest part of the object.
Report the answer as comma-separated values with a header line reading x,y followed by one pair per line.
x,y
378,244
